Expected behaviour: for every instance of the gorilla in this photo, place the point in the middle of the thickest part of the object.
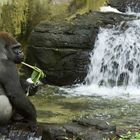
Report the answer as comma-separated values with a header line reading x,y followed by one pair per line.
x,y
12,94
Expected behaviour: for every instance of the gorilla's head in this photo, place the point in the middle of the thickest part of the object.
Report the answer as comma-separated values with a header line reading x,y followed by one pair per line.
x,y
10,49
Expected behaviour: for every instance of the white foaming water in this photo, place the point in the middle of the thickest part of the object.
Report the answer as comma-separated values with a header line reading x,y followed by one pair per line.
x,y
109,9
114,70
116,55
115,63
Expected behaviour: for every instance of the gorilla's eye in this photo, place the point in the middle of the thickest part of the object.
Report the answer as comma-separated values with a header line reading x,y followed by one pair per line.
x,y
17,53
17,50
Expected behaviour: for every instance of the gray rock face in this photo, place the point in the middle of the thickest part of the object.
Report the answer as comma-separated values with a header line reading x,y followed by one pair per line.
x,y
54,133
62,50
94,130
122,5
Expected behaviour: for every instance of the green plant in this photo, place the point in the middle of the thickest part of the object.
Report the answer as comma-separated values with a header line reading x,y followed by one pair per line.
x,y
36,74
130,136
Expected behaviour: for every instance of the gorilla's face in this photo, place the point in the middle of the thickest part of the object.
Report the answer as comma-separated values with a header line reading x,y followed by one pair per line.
x,y
18,55
10,48
15,53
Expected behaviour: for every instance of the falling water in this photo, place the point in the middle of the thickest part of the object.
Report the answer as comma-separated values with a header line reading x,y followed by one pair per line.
x,y
115,58
115,63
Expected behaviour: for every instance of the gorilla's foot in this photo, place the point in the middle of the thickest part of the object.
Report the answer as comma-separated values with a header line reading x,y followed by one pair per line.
x,y
4,130
32,126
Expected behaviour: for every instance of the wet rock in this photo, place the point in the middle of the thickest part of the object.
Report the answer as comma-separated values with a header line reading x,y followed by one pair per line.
x,y
87,121
123,79
97,123
123,5
80,129
90,136
54,132
74,129
106,126
111,82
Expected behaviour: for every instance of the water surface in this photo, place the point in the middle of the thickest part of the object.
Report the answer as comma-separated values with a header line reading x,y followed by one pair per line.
x,y
55,106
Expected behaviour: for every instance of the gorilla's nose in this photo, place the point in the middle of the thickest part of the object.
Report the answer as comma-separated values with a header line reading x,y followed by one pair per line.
x,y
19,58
22,56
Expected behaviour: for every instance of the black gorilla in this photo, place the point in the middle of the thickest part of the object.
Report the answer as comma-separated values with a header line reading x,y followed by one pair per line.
x,y
12,96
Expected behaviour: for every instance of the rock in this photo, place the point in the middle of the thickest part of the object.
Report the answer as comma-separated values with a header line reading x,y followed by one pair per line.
x,y
103,125
62,66
62,50
97,123
87,121
90,136
74,129
54,132
123,5
67,131
123,79
80,129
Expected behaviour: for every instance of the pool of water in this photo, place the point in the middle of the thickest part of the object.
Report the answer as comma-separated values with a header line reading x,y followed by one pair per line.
x,y
55,106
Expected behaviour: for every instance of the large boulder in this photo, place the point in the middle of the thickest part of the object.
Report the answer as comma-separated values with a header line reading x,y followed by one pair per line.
x,y
124,5
62,50
80,129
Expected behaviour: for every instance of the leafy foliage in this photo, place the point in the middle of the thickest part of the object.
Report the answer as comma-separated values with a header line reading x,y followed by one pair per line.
x,y
130,136
37,74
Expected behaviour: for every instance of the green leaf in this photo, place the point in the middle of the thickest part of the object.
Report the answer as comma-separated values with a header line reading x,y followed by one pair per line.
x,y
36,74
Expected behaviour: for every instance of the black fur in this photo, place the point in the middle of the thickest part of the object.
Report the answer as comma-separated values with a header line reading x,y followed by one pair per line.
x,y
10,55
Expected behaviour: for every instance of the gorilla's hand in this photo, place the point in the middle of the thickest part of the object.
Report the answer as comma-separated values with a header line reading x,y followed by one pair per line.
x,y
32,126
31,89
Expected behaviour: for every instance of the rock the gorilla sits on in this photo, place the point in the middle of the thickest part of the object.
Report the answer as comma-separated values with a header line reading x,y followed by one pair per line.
x,y
12,94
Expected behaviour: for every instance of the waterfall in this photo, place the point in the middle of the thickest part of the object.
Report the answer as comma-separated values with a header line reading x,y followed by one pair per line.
x,y
114,69
115,60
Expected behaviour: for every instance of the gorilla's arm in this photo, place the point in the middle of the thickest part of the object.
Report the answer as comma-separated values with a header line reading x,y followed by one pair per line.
x,y
10,80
